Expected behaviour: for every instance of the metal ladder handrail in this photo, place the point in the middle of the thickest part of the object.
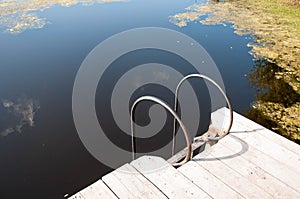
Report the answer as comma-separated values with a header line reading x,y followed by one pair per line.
x,y
176,117
176,102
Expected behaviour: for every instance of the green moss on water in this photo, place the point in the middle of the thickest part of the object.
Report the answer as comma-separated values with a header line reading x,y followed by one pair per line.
x,y
16,16
275,25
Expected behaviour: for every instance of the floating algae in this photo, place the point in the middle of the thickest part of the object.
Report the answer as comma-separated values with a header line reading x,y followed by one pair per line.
x,y
17,16
275,26
277,37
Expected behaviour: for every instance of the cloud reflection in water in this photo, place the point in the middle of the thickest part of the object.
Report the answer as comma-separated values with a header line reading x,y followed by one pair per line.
x,y
16,114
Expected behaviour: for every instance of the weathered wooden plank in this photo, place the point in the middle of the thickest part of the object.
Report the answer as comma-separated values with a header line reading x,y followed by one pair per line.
x,y
97,190
268,134
77,196
261,143
130,183
116,186
275,168
232,178
252,172
207,181
252,161
169,180
255,127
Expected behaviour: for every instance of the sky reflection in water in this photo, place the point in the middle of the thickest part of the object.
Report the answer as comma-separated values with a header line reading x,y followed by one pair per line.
x,y
37,72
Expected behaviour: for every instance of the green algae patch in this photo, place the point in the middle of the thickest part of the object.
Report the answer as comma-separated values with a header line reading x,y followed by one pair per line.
x,y
16,16
275,116
275,25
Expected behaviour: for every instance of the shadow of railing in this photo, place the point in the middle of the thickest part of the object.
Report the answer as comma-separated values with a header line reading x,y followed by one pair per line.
x,y
244,149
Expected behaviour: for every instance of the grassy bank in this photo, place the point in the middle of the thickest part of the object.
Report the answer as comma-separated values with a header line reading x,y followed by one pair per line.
x,y
275,25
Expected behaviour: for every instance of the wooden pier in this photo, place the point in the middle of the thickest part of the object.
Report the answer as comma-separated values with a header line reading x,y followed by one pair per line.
x,y
250,162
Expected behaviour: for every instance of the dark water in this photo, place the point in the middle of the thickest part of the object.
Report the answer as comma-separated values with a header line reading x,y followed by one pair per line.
x,y
41,154
271,89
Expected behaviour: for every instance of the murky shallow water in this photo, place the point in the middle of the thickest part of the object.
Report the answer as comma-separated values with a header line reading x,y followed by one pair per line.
x,y
41,154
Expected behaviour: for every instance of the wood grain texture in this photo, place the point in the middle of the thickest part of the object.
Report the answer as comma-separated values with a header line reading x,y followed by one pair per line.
x,y
207,181
127,182
169,180
97,190
250,162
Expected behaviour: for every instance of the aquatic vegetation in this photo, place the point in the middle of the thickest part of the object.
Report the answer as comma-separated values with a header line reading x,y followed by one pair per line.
x,y
18,15
277,35
182,19
19,23
275,26
277,106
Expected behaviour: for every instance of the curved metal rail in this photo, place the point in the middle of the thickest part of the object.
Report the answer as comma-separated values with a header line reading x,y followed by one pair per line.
x,y
168,108
176,104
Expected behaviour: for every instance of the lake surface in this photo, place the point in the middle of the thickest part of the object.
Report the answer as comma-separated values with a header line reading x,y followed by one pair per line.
x,y
41,154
